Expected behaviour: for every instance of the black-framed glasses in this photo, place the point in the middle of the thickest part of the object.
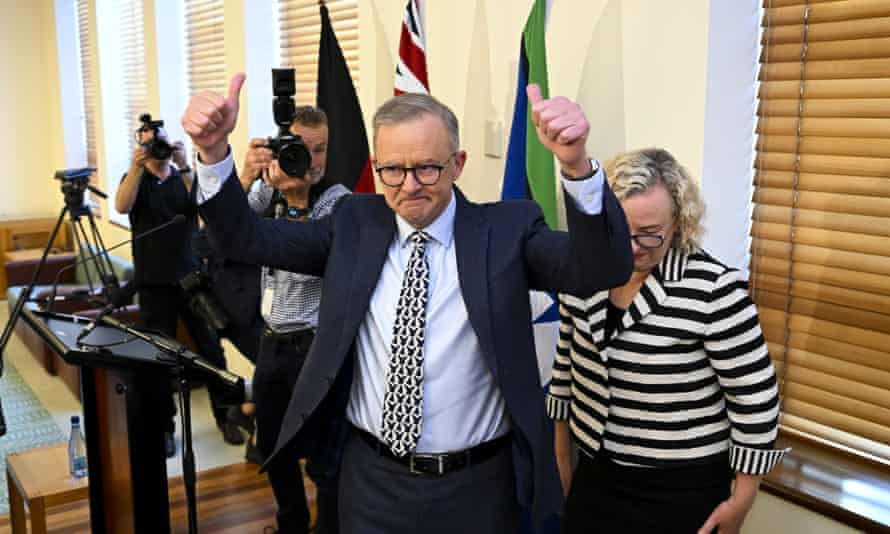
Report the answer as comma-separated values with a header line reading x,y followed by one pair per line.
x,y
425,174
648,241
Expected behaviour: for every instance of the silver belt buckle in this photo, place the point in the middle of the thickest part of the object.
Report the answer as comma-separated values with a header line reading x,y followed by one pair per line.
x,y
439,459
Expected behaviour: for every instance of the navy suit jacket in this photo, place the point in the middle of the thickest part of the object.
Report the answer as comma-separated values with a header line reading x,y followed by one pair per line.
x,y
503,250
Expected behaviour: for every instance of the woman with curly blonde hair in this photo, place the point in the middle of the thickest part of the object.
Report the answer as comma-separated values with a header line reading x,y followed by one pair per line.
x,y
665,383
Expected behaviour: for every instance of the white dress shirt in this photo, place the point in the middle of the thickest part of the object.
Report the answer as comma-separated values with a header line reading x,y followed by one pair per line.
x,y
462,406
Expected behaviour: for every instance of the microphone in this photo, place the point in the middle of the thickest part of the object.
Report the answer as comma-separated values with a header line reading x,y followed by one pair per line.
x,y
117,299
95,322
91,257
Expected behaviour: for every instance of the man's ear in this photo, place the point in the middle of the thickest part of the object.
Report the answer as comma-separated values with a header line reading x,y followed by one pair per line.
x,y
460,159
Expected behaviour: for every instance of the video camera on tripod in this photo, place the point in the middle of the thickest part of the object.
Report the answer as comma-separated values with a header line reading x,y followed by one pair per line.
x,y
75,183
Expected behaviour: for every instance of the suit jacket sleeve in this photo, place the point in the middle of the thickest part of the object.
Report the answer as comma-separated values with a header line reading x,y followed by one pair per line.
x,y
242,235
594,255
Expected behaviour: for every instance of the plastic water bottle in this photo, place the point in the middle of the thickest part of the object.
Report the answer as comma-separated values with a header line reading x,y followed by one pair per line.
x,y
77,450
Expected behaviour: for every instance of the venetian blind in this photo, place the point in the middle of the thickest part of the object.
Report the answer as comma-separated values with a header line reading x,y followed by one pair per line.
x,y
88,87
205,46
299,24
133,68
820,268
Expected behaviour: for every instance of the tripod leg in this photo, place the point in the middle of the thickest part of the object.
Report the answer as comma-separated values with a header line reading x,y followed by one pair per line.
x,y
106,275
26,294
98,257
80,238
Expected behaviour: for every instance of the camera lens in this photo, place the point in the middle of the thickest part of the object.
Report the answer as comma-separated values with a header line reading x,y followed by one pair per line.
x,y
294,159
160,149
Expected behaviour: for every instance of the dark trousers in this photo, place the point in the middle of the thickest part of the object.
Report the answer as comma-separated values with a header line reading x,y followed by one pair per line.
x,y
160,308
381,496
245,337
606,497
279,361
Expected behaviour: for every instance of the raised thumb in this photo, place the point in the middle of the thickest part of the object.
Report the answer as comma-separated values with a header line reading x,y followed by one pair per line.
x,y
534,93
235,87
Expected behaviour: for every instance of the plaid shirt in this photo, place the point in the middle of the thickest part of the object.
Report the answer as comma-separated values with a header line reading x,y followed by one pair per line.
x,y
295,297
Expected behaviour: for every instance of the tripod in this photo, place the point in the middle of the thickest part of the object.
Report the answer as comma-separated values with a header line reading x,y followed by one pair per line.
x,y
75,183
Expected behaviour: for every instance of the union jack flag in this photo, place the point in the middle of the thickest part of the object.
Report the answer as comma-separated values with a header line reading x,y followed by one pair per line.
x,y
411,76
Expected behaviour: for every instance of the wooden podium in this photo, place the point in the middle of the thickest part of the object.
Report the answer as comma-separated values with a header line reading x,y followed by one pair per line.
x,y
124,429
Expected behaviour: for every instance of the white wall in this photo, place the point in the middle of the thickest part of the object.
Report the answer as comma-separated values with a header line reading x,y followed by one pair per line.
x,y
68,50
260,56
727,173
171,69
665,59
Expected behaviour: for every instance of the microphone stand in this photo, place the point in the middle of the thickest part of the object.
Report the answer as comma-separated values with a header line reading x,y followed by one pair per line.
x,y
184,358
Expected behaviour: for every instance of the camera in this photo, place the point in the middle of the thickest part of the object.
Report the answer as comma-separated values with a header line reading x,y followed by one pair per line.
x,y
156,147
292,154
75,182
81,175
197,285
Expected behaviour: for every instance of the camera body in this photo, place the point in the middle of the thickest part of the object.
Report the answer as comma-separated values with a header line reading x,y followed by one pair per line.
x,y
197,285
75,183
156,147
292,154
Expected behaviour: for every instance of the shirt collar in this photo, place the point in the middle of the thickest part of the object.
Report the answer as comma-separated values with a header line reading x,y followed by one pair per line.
x,y
174,172
673,265
441,230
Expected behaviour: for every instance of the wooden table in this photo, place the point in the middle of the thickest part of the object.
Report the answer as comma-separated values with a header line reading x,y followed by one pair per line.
x,y
40,478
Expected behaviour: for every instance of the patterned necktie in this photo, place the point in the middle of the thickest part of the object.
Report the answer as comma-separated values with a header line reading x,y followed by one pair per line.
x,y
403,402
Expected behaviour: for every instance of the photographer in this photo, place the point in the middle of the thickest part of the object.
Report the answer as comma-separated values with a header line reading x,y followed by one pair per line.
x,y
153,192
289,308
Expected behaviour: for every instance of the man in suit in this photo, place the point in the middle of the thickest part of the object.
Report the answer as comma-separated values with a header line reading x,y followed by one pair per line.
x,y
424,338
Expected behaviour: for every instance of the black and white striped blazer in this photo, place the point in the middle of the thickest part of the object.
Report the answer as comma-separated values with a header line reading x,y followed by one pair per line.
x,y
685,378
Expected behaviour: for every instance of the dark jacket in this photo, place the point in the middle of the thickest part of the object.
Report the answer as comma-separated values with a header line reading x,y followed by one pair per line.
x,y
503,249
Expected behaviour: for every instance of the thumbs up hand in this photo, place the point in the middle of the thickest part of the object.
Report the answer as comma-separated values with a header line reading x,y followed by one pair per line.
x,y
210,118
562,128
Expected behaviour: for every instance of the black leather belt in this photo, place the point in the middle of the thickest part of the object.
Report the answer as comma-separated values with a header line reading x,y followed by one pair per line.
x,y
438,464
300,338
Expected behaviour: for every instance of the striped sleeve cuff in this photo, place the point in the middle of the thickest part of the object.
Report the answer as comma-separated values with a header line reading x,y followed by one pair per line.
x,y
755,462
557,408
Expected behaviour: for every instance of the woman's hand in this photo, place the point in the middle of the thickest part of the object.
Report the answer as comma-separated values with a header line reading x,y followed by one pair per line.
x,y
562,444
